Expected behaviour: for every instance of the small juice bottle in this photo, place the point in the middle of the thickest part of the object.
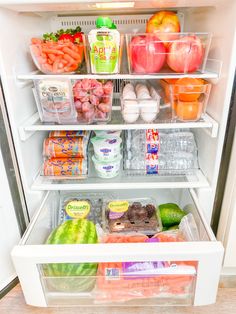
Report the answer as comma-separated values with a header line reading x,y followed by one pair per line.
x,y
104,44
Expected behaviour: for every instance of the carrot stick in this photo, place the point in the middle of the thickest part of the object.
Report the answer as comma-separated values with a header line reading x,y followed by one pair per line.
x,y
52,51
51,56
68,58
71,53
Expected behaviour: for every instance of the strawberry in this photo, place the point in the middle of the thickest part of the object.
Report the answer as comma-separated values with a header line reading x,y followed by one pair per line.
x,y
67,36
78,37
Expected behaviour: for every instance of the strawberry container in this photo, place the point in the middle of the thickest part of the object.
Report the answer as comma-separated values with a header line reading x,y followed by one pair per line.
x,y
188,97
167,52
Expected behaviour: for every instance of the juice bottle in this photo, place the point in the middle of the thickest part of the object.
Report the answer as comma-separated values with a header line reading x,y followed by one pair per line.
x,y
104,44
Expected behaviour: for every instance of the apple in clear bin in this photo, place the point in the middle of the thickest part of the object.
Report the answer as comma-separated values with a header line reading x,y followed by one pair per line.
x,y
185,54
163,22
147,54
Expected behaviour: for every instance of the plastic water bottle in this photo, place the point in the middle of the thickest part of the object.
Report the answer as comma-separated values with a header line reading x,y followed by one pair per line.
x,y
177,152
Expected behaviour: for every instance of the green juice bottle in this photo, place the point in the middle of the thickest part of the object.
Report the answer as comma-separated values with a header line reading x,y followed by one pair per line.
x,y
104,44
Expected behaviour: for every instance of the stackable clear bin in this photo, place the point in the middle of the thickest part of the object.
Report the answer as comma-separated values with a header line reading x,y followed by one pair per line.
x,y
150,53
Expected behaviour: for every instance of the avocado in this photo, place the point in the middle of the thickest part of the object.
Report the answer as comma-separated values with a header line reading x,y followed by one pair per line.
x,y
171,214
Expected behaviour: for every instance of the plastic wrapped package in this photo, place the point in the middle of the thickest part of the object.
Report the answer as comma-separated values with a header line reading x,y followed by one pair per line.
x,y
64,147
69,133
154,152
74,205
124,281
131,215
65,168
54,101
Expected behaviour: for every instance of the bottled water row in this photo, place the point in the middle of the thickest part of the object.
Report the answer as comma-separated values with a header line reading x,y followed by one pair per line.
x,y
169,152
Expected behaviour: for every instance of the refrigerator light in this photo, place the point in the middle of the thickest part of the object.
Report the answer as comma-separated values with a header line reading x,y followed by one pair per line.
x,y
114,5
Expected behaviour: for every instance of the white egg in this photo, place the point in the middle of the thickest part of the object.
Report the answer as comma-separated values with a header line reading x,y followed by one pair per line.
x,y
129,95
128,87
149,110
130,117
148,116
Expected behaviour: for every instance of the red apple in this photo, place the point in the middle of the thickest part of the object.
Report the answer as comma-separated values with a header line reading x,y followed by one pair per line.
x,y
147,54
185,54
164,22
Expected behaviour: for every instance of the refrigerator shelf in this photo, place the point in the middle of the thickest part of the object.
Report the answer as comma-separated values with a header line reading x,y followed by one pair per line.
x,y
122,181
33,124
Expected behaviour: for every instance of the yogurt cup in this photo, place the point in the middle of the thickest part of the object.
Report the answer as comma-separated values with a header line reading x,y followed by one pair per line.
x,y
106,149
107,169
107,133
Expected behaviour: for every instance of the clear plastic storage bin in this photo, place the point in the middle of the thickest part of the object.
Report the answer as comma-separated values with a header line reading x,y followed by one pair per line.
x,y
188,97
139,100
66,101
150,53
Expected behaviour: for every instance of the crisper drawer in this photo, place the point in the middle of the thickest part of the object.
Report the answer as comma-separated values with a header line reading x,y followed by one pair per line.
x,y
126,274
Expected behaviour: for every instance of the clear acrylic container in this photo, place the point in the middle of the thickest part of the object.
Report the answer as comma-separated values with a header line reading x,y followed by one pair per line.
x,y
57,57
188,97
131,215
54,101
150,53
139,100
93,100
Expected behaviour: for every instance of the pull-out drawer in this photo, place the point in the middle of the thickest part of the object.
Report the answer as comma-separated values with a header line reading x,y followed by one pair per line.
x,y
190,279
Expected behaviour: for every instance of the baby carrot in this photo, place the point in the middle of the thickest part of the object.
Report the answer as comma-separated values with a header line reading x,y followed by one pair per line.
x,y
52,51
71,53
36,41
51,56
68,58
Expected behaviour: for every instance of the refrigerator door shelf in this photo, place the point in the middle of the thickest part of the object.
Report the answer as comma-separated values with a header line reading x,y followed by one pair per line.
x,y
30,257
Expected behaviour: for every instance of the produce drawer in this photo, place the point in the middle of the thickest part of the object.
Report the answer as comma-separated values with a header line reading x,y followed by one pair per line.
x,y
191,278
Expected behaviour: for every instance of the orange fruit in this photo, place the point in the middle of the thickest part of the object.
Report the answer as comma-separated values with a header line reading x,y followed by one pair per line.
x,y
189,110
188,89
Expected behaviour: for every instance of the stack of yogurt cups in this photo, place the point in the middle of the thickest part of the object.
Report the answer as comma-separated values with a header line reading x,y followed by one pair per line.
x,y
139,100
107,153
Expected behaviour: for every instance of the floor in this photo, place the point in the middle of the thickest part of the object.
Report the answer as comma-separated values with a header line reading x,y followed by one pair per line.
x,y
13,303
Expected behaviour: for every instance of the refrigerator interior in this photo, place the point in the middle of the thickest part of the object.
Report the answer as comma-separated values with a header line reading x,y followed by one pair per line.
x,y
30,21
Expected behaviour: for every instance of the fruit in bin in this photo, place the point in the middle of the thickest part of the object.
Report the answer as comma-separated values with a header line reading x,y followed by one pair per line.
x,y
163,21
175,227
188,110
171,214
147,54
185,55
76,231
188,88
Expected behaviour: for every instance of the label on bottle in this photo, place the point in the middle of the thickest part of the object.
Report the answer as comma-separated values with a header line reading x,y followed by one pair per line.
x,y
77,209
152,150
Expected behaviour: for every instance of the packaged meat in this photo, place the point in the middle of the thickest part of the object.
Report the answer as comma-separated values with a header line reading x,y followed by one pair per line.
x,y
65,167
93,100
64,147
69,133
131,215
54,101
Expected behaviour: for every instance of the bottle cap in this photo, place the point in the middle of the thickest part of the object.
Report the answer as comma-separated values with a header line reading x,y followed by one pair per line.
x,y
103,21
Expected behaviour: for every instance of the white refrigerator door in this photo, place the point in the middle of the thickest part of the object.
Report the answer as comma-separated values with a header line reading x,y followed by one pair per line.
x,y
9,231
227,225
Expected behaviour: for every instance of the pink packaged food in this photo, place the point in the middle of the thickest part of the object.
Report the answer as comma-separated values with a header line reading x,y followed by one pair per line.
x,y
93,100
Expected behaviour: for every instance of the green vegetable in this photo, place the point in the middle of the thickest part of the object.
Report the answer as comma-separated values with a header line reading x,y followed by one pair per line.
x,y
55,36
171,214
175,227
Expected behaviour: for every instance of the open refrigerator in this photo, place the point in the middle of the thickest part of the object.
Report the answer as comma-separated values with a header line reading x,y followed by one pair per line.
x,y
23,20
